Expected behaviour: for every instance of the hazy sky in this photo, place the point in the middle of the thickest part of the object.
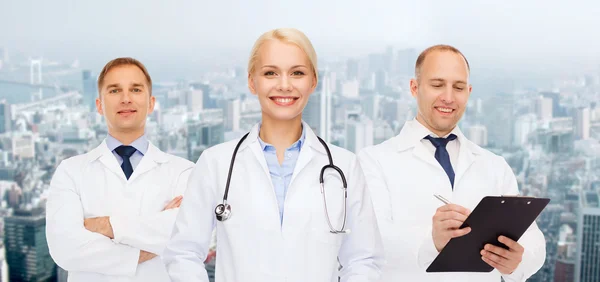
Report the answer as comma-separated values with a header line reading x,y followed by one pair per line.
x,y
546,34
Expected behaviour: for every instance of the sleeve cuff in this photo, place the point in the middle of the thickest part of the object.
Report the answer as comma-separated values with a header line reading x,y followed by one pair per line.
x,y
516,276
133,256
520,274
119,227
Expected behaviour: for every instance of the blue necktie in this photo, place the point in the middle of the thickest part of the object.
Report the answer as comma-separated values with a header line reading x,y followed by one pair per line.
x,y
126,152
441,154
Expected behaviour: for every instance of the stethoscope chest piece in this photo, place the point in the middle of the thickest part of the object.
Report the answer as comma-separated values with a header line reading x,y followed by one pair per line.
x,y
223,212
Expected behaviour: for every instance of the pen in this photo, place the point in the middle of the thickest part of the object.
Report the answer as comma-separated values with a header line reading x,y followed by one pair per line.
x,y
441,198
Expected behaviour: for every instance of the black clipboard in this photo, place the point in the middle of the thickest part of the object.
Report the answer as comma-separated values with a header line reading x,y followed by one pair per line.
x,y
493,216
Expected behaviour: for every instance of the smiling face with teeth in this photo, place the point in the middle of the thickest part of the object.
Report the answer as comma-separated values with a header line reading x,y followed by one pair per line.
x,y
125,102
283,79
442,90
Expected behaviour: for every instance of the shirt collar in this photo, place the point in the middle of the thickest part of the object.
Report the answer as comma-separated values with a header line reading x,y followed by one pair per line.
x,y
297,145
140,144
423,131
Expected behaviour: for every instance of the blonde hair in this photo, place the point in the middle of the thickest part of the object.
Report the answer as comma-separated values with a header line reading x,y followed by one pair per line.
x,y
287,35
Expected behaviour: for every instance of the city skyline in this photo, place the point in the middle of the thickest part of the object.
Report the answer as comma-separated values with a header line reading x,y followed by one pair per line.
x,y
532,36
535,71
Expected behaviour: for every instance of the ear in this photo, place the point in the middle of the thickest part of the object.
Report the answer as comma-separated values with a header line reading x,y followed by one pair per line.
x,y
251,85
414,87
99,106
152,103
314,85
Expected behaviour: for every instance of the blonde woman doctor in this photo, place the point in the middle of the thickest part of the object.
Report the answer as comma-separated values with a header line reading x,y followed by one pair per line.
x,y
276,222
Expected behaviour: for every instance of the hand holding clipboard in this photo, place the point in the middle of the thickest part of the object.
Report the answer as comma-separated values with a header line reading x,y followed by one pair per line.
x,y
494,225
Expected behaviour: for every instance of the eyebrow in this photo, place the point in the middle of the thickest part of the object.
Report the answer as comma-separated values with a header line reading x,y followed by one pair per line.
x,y
437,80
443,80
137,85
113,85
276,67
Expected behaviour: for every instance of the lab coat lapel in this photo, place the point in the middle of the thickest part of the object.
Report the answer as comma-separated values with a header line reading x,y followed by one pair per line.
x,y
109,160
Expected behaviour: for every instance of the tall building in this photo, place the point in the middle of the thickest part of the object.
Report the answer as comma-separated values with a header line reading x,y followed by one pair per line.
x,y
194,100
557,136
564,270
312,111
206,131
90,90
326,110
581,120
359,133
478,135
381,80
587,267
525,125
372,106
3,264
557,110
62,275
232,114
27,252
5,117
23,145
207,101
544,108
352,70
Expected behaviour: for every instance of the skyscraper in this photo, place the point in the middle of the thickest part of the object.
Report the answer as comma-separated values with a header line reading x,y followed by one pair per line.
x,y
581,120
372,106
587,267
525,125
207,101
62,275
326,110
194,100
90,90
204,132
232,114
359,133
478,134
557,110
352,69
27,252
544,108
312,112
5,117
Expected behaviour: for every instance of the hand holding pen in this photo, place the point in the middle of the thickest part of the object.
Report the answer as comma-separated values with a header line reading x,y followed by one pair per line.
x,y
447,221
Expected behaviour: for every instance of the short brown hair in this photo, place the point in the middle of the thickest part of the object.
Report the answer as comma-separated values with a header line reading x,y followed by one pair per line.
x,y
123,62
431,49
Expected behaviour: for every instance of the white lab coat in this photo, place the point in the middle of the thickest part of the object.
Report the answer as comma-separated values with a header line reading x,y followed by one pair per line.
x,y
253,245
403,176
94,185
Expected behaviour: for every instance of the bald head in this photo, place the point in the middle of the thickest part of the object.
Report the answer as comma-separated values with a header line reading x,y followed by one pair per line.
x,y
436,48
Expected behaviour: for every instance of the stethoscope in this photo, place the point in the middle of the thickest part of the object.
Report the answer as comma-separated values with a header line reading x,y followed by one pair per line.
x,y
223,210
